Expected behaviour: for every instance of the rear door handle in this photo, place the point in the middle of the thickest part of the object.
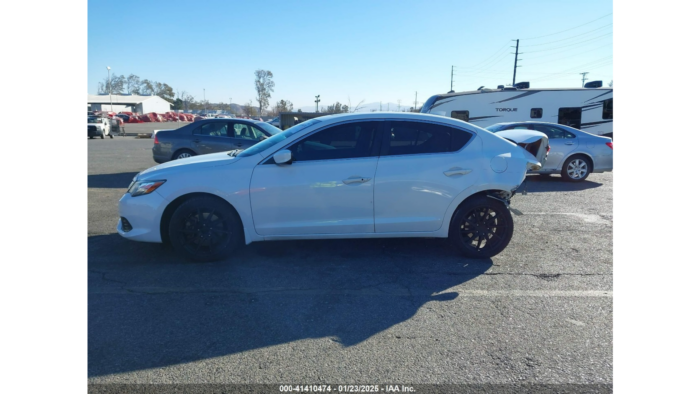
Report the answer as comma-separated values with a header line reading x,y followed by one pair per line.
x,y
355,179
456,171
197,140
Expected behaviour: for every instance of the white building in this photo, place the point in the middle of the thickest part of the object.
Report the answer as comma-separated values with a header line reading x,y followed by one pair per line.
x,y
127,102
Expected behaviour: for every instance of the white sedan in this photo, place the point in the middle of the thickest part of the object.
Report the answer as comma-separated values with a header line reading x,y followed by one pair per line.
x,y
376,175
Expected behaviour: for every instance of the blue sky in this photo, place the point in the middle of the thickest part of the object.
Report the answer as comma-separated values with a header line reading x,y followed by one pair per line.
x,y
376,51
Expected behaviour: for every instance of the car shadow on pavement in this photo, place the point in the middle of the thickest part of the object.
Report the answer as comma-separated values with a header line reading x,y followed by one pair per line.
x,y
554,183
149,308
117,181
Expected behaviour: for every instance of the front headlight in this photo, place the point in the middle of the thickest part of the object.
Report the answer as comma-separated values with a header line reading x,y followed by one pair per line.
x,y
141,188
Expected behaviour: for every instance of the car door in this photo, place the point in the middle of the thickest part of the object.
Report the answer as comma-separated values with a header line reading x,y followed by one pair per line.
x,y
327,189
211,137
244,135
421,169
562,143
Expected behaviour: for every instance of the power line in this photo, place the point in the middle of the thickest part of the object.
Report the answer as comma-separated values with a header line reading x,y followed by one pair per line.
x,y
557,53
568,76
568,38
488,58
576,43
491,64
563,31
587,65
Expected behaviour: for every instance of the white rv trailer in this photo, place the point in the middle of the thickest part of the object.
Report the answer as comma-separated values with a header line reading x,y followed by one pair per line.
x,y
587,109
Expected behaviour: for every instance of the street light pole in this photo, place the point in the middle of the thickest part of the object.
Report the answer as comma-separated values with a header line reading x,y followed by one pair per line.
x,y
205,102
317,100
109,81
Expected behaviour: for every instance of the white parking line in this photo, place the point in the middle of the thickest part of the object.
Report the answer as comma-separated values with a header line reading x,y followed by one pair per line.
x,y
586,218
534,293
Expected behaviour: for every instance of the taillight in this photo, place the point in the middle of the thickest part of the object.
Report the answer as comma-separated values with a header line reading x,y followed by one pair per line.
x,y
155,140
609,144
548,148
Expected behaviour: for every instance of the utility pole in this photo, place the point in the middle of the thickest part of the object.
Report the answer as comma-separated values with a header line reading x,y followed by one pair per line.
x,y
515,66
317,101
452,75
415,103
230,108
583,78
205,101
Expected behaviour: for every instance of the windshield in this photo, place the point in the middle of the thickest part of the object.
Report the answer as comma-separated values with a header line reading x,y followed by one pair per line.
x,y
280,136
93,120
272,130
496,127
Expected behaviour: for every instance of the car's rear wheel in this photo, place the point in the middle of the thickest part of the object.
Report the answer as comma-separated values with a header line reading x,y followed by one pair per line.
x,y
482,227
102,135
205,229
576,169
183,154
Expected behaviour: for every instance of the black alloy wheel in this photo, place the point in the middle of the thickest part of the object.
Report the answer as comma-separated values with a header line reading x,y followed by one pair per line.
x,y
482,227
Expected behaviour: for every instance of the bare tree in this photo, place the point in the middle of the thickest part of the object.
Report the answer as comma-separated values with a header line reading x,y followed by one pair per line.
x,y
610,84
399,103
358,106
264,85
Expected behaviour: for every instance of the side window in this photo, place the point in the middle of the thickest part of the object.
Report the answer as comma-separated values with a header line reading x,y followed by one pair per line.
x,y
461,115
520,127
554,132
536,113
410,138
607,109
346,141
214,129
245,131
570,117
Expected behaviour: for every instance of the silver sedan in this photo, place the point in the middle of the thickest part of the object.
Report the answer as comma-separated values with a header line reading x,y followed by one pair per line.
x,y
573,153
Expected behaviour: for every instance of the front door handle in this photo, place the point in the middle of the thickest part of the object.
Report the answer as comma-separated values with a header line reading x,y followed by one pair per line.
x,y
355,179
197,141
568,143
456,171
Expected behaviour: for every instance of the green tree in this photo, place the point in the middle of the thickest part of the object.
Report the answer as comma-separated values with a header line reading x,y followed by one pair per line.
x,y
146,88
336,108
133,84
164,91
264,86
283,106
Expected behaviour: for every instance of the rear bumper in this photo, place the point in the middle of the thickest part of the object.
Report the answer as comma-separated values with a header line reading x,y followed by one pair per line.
x,y
158,156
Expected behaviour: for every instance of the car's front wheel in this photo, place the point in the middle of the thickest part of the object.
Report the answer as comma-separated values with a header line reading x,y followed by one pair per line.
x,y
482,227
205,229
576,169
102,135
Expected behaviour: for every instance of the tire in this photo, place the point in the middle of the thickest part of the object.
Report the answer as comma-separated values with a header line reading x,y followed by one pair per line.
x,y
111,136
205,229
481,227
102,136
90,137
576,169
183,154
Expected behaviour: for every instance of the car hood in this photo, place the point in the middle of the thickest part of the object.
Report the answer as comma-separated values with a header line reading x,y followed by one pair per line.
x,y
535,142
194,163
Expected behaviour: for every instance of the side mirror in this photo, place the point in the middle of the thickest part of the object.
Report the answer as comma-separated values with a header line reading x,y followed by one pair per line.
x,y
283,157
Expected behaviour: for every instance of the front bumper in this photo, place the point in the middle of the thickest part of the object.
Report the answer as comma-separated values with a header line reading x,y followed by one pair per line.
x,y
94,131
143,214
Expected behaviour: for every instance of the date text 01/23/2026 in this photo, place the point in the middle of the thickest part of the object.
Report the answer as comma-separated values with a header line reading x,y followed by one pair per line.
x,y
345,388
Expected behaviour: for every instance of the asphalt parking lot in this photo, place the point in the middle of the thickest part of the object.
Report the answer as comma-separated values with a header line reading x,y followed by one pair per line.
x,y
354,311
